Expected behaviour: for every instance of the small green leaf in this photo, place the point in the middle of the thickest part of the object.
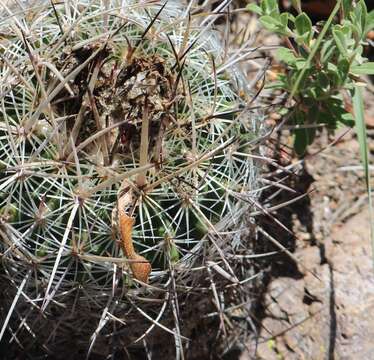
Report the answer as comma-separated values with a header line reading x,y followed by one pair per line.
x,y
321,117
363,69
270,7
346,29
285,55
300,141
347,119
358,17
364,13
357,54
335,109
311,135
269,23
323,81
303,24
284,19
343,70
304,29
313,93
302,64
347,6
277,85
340,41
327,51
276,23
369,22
254,8
332,67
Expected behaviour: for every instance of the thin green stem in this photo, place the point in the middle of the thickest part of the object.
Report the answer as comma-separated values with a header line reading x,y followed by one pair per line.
x,y
314,50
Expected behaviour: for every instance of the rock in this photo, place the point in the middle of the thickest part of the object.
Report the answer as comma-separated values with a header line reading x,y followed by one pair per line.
x,y
353,289
326,317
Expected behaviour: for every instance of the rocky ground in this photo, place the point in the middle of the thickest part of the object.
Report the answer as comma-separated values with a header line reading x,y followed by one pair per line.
x,y
324,312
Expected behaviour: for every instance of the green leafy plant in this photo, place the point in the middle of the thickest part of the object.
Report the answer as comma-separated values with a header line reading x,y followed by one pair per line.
x,y
323,64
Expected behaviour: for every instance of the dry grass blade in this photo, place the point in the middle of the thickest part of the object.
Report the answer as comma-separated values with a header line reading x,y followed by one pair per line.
x,y
358,105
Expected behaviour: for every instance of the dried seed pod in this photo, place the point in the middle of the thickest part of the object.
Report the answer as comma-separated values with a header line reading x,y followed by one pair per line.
x,y
140,266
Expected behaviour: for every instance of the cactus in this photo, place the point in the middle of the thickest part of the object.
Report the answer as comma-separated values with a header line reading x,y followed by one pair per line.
x,y
126,159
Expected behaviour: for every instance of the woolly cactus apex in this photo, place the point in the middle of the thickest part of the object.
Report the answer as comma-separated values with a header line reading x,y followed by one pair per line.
x,y
102,100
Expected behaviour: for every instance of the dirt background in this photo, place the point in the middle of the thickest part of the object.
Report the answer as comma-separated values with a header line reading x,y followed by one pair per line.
x,y
322,306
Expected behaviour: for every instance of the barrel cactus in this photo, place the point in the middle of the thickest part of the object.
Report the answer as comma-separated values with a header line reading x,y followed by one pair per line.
x,y
128,149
